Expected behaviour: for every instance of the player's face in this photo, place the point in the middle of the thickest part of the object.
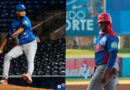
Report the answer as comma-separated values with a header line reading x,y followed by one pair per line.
x,y
21,13
103,26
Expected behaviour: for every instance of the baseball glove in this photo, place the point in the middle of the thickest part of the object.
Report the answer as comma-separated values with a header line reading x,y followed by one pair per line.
x,y
12,42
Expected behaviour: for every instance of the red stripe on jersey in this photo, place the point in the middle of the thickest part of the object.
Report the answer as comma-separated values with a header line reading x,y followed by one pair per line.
x,y
106,57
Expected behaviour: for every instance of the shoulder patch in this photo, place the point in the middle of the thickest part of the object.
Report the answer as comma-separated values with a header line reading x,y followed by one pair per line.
x,y
24,22
114,45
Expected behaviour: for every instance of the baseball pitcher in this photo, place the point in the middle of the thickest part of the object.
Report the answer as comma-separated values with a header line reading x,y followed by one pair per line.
x,y
105,75
22,30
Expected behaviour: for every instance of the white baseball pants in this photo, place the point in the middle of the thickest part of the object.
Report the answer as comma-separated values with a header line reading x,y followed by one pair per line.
x,y
29,49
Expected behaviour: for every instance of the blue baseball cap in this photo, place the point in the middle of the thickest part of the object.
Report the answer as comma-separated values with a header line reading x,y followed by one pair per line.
x,y
20,7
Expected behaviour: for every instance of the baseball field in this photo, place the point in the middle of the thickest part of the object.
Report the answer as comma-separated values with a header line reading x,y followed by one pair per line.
x,y
81,84
83,87
14,87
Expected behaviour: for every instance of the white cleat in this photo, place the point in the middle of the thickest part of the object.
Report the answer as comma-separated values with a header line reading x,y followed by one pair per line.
x,y
4,81
27,78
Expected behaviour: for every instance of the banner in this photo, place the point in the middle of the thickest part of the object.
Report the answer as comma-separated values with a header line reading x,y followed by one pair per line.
x,y
83,67
125,65
81,17
79,67
120,12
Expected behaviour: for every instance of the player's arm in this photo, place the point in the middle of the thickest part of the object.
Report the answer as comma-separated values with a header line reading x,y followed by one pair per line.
x,y
17,32
110,64
112,59
4,43
113,50
23,26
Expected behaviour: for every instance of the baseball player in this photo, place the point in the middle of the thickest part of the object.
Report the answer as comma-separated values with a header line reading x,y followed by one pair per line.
x,y
105,75
22,30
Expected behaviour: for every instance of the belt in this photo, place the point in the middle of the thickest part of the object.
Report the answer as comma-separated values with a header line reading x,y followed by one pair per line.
x,y
27,42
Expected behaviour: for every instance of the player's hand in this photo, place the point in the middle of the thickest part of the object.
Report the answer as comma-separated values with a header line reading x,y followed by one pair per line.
x,y
12,36
114,72
103,79
1,50
105,75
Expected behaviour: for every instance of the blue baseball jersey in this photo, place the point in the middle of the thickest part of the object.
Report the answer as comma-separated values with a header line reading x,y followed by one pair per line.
x,y
104,46
27,35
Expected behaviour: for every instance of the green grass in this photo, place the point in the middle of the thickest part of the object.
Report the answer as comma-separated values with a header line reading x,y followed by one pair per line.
x,y
124,52
89,53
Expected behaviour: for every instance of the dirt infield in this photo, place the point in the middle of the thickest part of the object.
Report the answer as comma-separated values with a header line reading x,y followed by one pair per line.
x,y
13,87
83,87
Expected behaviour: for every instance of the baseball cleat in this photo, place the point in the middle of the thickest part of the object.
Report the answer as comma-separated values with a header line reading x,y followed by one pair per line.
x,y
27,78
4,81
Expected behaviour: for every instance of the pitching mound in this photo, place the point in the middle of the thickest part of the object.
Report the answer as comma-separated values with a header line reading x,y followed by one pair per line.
x,y
13,87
